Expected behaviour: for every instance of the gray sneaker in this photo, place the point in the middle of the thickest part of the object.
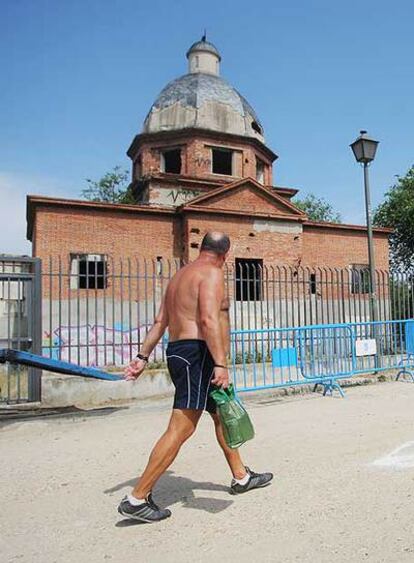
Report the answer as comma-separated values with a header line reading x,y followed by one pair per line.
x,y
256,481
148,511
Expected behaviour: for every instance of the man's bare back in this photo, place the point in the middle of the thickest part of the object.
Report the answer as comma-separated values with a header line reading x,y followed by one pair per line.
x,y
192,310
182,300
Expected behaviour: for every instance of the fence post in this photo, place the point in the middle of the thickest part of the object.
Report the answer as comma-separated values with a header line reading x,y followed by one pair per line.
x,y
35,375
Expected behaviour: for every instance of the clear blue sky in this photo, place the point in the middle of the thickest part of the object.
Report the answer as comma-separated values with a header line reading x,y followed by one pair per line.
x,y
78,77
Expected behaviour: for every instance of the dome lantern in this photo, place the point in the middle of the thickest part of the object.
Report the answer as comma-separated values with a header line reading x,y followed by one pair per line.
x,y
204,57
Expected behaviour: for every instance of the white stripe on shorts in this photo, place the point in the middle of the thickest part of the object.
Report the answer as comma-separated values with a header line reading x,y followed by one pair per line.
x,y
208,385
188,387
201,377
181,358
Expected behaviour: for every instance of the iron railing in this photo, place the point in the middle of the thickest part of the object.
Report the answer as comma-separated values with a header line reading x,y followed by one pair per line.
x,y
97,310
20,325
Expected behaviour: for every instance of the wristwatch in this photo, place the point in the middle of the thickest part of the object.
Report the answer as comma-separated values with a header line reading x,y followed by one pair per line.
x,y
142,357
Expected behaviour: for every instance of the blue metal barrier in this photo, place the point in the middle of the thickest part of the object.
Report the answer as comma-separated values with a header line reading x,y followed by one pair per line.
x,y
408,362
320,354
48,364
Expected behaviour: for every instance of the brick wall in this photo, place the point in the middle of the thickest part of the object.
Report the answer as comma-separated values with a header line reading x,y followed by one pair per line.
x,y
248,200
196,158
341,248
247,241
60,232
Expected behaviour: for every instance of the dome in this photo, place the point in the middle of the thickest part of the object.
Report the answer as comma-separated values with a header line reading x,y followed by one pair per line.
x,y
203,45
202,99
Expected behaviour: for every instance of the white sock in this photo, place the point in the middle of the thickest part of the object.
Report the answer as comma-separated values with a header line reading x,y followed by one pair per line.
x,y
134,500
244,480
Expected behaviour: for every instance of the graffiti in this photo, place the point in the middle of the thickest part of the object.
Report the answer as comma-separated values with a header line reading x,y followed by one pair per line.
x,y
185,194
96,345
202,161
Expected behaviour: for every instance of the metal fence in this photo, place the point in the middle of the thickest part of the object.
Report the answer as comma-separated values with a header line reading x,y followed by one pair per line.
x,y
281,357
97,310
94,310
20,325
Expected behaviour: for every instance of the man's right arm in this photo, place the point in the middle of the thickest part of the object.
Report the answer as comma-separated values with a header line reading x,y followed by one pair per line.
x,y
210,297
137,366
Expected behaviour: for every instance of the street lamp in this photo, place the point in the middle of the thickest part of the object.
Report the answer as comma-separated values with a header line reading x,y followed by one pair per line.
x,y
364,149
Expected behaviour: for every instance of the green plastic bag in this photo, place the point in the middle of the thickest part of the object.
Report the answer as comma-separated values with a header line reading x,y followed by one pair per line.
x,y
237,426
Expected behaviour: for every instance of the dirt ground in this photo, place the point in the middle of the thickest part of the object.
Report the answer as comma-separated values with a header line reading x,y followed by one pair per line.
x,y
343,488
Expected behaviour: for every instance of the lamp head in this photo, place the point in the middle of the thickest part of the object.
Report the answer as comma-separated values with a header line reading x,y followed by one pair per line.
x,y
364,148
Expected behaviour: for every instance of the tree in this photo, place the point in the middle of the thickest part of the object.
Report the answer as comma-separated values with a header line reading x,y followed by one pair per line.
x,y
397,212
111,188
318,209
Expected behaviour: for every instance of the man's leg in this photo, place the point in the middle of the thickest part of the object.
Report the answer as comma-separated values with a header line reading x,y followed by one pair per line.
x,y
232,456
181,426
244,479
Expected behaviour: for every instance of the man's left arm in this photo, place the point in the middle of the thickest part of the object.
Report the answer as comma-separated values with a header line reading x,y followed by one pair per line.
x,y
225,324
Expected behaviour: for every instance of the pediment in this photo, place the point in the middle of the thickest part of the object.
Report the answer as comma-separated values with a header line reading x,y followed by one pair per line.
x,y
245,197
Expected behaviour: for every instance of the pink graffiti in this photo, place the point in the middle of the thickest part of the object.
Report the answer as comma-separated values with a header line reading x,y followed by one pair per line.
x,y
96,345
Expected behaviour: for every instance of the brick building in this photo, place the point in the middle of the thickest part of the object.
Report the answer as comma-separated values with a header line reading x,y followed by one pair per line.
x,y
200,163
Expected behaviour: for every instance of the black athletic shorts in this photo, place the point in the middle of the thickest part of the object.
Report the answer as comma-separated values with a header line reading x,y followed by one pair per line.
x,y
191,367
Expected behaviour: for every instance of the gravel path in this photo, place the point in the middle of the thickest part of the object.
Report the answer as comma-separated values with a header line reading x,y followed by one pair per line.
x,y
343,490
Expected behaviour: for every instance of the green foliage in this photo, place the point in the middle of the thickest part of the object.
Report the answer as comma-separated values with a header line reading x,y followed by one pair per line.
x,y
111,188
397,212
401,298
318,209
254,357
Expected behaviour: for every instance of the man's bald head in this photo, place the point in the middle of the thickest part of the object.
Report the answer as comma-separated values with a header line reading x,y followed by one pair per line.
x,y
216,242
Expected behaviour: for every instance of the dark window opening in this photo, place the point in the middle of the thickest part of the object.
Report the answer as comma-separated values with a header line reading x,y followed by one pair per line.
x,y
256,127
89,271
222,162
312,284
249,278
137,168
195,230
360,278
171,161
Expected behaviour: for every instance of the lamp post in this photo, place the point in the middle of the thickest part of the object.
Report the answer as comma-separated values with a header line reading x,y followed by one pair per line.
x,y
364,149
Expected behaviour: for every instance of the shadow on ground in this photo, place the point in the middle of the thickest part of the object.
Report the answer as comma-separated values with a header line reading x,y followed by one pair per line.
x,y
173,489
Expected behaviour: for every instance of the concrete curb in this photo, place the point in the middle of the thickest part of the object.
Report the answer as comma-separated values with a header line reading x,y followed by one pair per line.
x,y
73,391
66,390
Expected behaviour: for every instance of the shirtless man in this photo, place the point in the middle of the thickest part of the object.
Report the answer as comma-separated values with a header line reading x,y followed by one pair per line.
x,y
195,310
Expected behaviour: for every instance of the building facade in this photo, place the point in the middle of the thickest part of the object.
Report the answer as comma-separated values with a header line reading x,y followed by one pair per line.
x,y
200,163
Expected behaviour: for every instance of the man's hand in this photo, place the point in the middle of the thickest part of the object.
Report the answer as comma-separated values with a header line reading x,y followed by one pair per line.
x,y
134,370
221,377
